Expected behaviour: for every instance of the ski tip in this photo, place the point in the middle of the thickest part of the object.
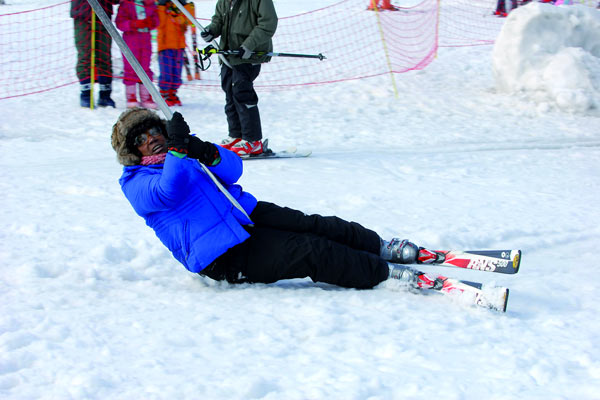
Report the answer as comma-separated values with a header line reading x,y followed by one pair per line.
x,y
516,260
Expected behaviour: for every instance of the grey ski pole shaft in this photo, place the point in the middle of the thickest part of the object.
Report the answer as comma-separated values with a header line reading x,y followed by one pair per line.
x,y
211,50
135,64
198,26
319,56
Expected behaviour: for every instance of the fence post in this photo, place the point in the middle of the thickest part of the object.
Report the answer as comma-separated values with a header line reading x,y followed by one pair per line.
x,y
93,59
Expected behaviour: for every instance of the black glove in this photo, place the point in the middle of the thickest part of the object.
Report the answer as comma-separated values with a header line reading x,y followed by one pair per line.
x,y
207,36
162,2
244,53
205,152
179,134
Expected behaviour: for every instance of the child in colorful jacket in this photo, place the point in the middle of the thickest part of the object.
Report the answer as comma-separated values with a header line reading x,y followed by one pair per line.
x,y
171,45
136,18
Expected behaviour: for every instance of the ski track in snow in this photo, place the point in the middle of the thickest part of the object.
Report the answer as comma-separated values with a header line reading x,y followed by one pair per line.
x,y
93,306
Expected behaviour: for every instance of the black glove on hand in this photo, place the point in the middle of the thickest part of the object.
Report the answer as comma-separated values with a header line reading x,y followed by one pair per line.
x,y
207,36
179,134
244,53
205,152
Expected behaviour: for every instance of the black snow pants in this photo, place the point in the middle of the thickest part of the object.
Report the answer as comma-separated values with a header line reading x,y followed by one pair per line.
x,y
285,244
241,101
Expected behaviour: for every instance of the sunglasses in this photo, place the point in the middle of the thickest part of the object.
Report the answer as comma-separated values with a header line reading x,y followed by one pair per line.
x,y
143,137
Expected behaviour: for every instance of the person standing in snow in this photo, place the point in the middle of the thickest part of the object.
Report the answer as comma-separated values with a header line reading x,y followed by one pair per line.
x,y
171,48
165,184
136,18
81,12
245,26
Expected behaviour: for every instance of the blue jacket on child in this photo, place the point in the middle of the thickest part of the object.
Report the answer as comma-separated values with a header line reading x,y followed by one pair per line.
x,y
187,211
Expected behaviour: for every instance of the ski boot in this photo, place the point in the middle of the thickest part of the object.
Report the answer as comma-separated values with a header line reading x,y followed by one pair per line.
x,y
404,252
415,279
104,99
130,96
84,94
170,97
146,98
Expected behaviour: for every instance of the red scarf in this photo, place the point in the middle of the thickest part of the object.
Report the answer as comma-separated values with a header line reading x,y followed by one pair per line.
x,y
154,159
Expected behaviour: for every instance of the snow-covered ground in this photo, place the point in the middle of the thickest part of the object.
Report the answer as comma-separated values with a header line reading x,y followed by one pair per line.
x,y
93,307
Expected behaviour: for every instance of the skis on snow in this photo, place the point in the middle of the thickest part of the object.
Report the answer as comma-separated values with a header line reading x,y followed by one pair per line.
x,y
291,152
494,298
499,261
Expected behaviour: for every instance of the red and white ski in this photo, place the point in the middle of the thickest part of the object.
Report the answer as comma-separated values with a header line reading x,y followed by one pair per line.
x,y
500,261
494,298
466,292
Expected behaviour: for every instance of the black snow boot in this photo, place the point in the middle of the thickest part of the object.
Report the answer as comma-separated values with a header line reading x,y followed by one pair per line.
x,y
105,91
84,93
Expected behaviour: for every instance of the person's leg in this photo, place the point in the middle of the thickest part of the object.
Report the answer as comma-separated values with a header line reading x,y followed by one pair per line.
x,y
163,65
270,255
103,54
176,80
233,120
168,73
333,228
104,67
168,61
144,55
82,33
245,100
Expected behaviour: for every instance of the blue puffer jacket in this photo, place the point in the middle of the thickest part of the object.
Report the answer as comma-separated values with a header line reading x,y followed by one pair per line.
x,y
187,210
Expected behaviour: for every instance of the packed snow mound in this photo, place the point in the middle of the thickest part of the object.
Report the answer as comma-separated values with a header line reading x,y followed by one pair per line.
x,y
551,55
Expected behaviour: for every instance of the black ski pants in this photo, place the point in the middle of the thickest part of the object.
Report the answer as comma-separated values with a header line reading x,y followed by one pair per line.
x,y
241,101
286,243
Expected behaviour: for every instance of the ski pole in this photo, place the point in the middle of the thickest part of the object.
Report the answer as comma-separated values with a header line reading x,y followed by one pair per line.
x,y
210,50
320,56
205,53
194,21
135,64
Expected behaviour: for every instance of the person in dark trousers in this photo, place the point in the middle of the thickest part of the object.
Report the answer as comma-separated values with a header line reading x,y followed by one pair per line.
x,y
81,12
245,26
166,185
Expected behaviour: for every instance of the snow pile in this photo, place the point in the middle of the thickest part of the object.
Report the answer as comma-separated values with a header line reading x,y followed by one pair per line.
x,y
551,55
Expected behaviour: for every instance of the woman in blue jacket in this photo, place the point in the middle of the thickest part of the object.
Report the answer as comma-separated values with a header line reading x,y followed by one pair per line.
x,y
166,185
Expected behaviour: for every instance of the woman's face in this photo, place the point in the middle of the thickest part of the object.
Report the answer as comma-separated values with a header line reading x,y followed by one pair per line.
x,y
151,142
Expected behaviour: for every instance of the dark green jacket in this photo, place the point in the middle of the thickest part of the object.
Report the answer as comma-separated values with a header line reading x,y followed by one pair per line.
x,y
251,23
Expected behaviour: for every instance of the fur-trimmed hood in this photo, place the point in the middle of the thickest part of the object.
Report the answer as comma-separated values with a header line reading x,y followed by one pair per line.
x,y
130,124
